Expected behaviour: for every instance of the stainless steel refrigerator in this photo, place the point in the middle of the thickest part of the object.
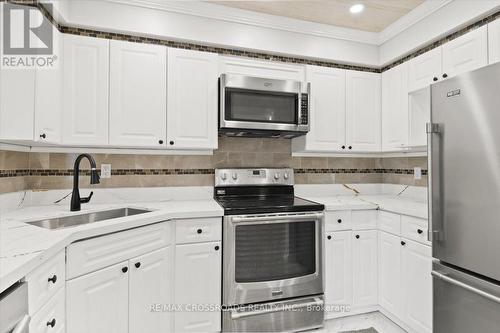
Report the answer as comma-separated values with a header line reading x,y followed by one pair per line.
x,y
464,201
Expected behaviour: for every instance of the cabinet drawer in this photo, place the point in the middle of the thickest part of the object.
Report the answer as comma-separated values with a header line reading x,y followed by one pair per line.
x,y
389,222
338,220
364,219
90,255
198,230
415,229
51,317
45,281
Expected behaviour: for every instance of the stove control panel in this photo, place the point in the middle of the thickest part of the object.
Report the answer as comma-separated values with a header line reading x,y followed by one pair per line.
x,y
258,176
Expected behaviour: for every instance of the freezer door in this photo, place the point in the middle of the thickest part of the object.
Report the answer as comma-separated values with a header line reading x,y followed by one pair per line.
x,y
464,303
465,171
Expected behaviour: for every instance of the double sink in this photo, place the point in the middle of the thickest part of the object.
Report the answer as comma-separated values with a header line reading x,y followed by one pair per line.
x,y
81,219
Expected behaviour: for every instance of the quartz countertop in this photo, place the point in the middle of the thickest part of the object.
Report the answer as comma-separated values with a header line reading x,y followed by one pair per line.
x,y
23,246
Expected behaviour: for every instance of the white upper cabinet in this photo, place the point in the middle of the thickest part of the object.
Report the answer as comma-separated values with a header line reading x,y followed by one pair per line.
x,y
494,41
395,108
327,111
192,99
466,53
389,272
85,90
48,98
424,69
365,271
338,270
261,68
363,112
417,286
138,95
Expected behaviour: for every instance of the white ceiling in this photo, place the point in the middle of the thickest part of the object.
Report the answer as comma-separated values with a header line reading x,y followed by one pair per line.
x,y
377,16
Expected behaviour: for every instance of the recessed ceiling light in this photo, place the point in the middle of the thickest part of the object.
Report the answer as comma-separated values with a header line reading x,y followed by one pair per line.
x,y
357,8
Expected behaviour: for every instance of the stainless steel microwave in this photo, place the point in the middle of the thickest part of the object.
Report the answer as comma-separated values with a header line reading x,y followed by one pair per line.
x,y
252,106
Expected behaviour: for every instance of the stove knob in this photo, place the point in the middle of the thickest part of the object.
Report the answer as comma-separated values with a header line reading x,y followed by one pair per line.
x,y
285,175
223,176
235,176
276,176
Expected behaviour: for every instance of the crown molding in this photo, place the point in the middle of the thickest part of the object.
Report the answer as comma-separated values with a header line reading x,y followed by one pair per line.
x,y
413,17
236,15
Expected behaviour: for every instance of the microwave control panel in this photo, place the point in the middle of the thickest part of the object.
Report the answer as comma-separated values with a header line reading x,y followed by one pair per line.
x,y
304,109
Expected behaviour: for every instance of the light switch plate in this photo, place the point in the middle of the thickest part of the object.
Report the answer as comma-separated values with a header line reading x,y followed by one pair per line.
x,y
417,172
105,170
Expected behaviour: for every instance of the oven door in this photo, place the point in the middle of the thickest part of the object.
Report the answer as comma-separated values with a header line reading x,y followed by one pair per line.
x,y
262,104
271,257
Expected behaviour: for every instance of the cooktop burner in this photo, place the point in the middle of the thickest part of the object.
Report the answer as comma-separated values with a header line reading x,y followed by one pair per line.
x,y
259,191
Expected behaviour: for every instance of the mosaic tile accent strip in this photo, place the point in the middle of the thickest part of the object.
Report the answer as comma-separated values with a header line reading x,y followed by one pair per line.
x,y
250,54
159,172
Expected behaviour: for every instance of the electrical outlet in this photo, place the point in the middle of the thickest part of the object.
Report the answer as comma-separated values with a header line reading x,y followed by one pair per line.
x,y
105,170
417,172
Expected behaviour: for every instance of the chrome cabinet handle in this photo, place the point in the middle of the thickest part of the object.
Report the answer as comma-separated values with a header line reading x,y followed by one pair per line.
x,y
466,287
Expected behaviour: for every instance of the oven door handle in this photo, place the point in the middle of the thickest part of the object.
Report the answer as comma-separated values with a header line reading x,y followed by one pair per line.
x,y
273,218
235,314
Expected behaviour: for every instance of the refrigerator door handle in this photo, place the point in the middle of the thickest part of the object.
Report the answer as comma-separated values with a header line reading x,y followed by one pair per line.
x,y
466,287
434,205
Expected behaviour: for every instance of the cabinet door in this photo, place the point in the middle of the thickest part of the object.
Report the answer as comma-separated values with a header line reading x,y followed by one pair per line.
x,y
327,109
48,88
85,90
17,101
338,271
261,68
198,282
424,69
98,302
389,272
192,99
138,95
365,268
363,112
494,41
417,286
150,288
395,108
466,53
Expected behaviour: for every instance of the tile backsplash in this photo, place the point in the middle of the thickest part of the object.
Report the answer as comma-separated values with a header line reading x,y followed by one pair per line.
x,y
43,171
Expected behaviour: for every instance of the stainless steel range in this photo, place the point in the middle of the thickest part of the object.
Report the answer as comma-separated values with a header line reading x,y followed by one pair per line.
x,y
273,252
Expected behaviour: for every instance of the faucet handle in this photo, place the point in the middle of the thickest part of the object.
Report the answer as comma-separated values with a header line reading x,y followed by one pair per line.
x,y
87,199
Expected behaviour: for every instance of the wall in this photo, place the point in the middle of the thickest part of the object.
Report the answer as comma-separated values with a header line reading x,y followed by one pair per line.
x,y
42,171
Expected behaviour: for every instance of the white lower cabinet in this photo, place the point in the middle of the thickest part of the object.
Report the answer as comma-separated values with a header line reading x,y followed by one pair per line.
x,y
51,317
126,297
98,302
198,287
389,272
150,289
338,272
417,286
365,270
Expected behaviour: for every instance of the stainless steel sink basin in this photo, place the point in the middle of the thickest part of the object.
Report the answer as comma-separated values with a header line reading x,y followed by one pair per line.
x,y
75,220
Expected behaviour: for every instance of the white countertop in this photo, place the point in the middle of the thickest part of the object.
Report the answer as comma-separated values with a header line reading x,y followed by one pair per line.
x,y
23,247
